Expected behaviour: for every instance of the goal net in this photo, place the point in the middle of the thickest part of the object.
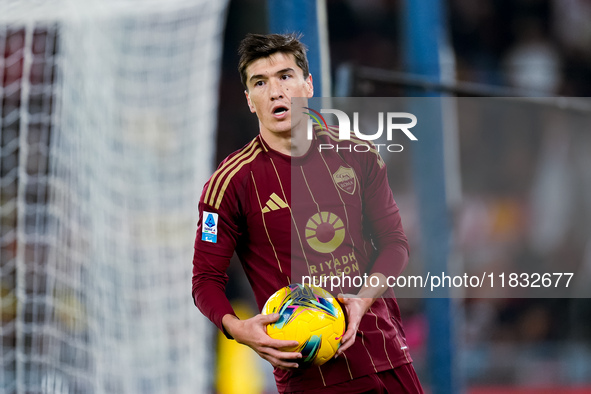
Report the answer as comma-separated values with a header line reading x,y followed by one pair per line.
x,y
107,120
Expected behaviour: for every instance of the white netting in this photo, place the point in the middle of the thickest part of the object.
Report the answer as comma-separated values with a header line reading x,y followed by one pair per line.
x,y
107,118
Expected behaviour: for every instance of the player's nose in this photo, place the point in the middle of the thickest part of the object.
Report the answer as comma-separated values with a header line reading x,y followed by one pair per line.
x,y
276,90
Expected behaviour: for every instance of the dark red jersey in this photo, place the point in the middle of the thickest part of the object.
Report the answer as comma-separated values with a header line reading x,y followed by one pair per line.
x,y
328,213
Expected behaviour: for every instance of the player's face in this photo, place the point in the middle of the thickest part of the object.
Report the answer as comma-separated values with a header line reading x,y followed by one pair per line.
x,y
272,82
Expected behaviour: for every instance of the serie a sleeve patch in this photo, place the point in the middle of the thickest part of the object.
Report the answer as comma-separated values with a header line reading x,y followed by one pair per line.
x,y
209,229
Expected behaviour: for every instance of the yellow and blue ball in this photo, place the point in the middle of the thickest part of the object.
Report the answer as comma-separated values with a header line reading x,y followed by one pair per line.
x,y
309,315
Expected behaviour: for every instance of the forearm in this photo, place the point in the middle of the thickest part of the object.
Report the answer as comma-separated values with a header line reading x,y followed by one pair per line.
x,y
213,303
391,260
209,287
385,226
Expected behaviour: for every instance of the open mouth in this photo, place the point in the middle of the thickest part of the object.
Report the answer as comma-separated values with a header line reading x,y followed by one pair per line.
x,y
279,110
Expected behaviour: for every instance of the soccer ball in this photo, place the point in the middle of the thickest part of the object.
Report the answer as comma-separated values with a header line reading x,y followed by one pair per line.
x,y
309,315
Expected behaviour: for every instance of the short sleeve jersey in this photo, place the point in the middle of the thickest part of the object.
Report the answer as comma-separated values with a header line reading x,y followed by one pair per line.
x,y
328,213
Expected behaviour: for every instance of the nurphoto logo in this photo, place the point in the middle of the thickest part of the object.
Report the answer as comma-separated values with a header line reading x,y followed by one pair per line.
x,y
392,120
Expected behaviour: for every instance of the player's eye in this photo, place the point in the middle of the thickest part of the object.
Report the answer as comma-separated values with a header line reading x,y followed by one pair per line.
x,y
285,76
258,83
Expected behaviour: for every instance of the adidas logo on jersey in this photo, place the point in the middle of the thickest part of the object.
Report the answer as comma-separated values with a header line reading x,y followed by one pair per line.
x,y
274,203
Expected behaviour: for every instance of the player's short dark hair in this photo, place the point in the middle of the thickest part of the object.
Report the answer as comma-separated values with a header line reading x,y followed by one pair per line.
x,y
256,46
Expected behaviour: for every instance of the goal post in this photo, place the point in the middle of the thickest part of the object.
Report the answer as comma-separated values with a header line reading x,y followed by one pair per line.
x,y
107,126
424,40
308,18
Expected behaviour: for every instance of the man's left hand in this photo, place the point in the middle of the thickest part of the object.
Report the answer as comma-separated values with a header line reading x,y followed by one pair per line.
x,y
354,308
356,305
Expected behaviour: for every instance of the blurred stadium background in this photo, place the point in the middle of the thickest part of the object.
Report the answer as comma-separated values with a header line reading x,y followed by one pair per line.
x,y
114,113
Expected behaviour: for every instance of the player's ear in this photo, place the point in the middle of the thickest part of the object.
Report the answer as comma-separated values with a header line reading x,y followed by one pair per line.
x,y
250,106
310,86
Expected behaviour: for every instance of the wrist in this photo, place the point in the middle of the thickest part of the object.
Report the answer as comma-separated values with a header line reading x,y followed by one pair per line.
x,y
373,291
229,323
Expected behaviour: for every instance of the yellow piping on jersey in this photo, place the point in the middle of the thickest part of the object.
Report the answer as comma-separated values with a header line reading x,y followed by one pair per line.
x,y
219,174
218,202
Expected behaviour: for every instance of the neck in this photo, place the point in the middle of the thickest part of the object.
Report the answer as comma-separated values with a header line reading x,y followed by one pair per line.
x,y
288,143
299,144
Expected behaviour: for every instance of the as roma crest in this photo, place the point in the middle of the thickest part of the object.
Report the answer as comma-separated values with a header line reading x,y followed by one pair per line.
x,y
344,178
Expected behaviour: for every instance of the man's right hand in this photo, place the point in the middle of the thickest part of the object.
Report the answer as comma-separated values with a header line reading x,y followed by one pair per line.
x,y
253,333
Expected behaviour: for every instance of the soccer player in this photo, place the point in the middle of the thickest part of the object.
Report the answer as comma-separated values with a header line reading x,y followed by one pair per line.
x,y
288,209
